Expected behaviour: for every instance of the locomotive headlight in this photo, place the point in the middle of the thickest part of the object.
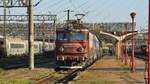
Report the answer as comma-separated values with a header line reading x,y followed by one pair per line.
x,y
80,49
61,49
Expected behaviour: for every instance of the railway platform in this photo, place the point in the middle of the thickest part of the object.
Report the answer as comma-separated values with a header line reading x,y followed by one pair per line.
x,y
109,70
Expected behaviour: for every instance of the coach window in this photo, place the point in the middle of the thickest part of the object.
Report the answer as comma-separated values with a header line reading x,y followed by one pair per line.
x,y
16,45
35,46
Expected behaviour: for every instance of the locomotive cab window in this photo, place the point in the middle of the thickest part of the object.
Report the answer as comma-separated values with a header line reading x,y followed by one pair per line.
x,y
72,36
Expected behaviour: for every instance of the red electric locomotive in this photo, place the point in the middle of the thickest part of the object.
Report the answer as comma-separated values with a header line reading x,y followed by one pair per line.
x,y
75,46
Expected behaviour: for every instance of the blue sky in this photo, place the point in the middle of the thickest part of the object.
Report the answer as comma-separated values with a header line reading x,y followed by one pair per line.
x,y
95,10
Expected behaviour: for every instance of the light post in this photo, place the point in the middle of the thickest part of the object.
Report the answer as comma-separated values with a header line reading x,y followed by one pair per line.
x,y
122,51
126,53
133,27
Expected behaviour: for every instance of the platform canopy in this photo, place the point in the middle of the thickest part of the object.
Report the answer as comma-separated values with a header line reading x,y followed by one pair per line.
x,y
110,32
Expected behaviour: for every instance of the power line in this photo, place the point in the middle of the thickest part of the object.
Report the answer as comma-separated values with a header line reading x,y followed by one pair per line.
x,y
38,3
63,4
48,5
72,4
63,16
62,9
91,5
104,9
54,4
83,4
95,11
79,7
59,7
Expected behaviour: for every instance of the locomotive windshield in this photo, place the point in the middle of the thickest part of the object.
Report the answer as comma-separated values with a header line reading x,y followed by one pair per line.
x,y
71,36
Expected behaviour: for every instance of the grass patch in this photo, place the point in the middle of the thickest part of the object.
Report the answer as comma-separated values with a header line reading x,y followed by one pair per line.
x,y
25,76
94,82
15,81
41,74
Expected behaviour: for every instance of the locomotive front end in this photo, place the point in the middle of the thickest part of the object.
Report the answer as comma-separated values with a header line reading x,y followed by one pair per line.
x,y
71,47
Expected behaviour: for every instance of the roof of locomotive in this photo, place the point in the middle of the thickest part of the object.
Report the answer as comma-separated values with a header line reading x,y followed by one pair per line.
x,y
64,29
74,25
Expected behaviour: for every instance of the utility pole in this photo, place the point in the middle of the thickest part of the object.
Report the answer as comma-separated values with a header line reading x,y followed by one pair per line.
x,y
68,15
4,28
43,33
31,35
54,25
133,27
23,4
29,17
149,45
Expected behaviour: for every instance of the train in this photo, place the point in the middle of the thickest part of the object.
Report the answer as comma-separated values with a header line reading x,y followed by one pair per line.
x,y
17,48
140,50
20,47
76,46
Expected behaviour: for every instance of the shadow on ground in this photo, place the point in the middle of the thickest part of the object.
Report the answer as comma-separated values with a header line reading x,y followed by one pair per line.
x,y
45,60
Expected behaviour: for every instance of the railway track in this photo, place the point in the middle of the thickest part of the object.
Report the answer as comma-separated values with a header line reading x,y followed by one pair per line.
x,y
67,77
144,58
14,62
25,64
141,57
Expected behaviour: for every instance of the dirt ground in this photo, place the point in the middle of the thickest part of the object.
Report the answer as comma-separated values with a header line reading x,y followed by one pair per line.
x,y
112,71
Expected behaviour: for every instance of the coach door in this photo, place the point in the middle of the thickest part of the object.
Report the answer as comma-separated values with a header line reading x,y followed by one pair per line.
x,y
1,49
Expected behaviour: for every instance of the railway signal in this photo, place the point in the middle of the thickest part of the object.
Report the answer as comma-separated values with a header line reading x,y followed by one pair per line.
x,y
133,27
